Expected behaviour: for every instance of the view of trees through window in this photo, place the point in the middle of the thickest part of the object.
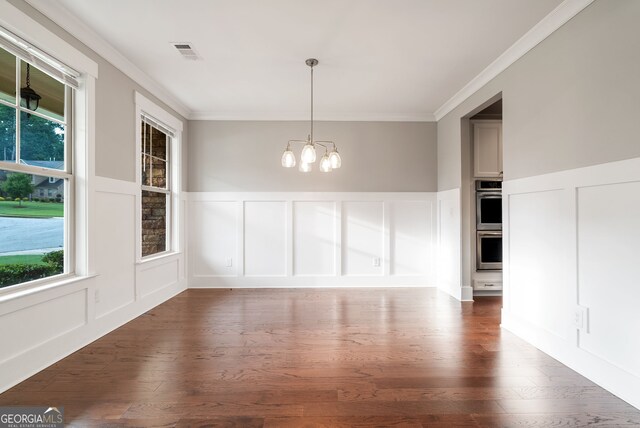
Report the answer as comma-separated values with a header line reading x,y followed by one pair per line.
x,y
32,203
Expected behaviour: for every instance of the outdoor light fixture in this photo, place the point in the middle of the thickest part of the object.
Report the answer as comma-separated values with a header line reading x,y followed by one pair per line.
x,y
330,160
29,98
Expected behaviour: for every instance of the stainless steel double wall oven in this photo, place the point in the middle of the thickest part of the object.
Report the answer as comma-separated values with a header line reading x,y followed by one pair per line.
x,y
489,224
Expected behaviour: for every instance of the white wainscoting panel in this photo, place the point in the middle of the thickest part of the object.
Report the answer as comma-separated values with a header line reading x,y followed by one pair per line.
x,y
153,276
363,238
449,245
571,278
314,238
44,321
609,272
299,239
411,237
213,231
116,282
538,259
265,222
47,323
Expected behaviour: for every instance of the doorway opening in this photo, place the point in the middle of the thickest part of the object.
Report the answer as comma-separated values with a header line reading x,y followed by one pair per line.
x,y
482,175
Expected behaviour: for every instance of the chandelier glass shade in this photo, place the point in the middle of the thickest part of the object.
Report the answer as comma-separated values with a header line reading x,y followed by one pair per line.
x,y
330,160
305,167
288,158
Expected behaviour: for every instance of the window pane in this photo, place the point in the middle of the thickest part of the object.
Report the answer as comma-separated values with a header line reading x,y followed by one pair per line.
x,y
7,76
146,138
50,90
159,144
154,223
41,142
31,226
7,133
159,178
146,170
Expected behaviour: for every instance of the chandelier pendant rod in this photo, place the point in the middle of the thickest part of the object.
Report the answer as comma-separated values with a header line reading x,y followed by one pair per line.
x,y
311,103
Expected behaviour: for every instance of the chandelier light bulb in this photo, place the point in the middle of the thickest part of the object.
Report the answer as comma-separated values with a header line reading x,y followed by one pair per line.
x,y
335,159
325,163
288,159
308,153
304,167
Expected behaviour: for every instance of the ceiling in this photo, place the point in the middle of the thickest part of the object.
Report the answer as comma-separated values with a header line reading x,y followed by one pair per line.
x,y
379,59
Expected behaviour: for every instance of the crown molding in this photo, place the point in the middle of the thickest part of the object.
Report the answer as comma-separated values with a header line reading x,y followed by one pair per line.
x,y
304,116
543,29
78,29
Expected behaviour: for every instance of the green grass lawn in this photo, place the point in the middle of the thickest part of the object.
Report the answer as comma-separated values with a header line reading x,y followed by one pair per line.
x,y
31,209
22,259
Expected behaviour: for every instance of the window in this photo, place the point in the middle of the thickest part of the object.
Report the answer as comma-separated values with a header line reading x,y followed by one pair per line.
x,y
156,190
36,176
158,177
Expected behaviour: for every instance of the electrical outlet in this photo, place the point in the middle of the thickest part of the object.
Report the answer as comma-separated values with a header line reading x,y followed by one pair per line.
x,y
96,296
376,262
581,318
229,262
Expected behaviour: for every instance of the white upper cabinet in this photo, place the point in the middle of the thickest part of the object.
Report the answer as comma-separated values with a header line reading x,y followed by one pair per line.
x,y
487,148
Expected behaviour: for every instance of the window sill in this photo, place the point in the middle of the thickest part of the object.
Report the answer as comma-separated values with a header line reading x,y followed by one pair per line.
x,y
159,258
38,286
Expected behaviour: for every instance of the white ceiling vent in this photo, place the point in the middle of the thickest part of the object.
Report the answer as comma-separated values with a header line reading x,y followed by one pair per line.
x,y
186,50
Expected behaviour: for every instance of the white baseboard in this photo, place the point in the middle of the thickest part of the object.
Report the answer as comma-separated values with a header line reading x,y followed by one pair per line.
x,y
617,381
309,282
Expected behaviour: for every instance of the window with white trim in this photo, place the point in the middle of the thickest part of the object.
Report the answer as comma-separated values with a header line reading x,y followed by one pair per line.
x,y
156,180
36,168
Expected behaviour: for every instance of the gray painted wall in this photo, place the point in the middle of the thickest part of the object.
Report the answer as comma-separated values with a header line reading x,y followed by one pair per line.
x,y
572,101
115,109
376,156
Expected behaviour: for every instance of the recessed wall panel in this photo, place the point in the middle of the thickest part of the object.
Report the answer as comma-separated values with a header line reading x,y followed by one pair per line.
x,y
609,272
265,238
115,256
314,237
362,238
35,325
538,256
213,235
410,237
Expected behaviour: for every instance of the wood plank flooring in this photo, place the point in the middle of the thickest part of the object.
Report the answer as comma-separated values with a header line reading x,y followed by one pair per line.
x,y
319,358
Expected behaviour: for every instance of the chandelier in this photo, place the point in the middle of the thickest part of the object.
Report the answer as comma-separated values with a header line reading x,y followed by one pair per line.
x,y
329,161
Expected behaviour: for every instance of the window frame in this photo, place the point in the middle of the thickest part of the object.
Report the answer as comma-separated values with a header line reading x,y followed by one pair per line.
x,y
149,109
18,27
66,173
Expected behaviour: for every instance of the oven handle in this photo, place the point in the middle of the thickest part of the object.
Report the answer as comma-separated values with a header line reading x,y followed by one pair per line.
x,y
489,195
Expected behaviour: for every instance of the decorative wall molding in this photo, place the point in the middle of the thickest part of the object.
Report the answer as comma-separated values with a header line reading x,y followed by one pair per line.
x,y
17,21
543,29
59,319
69,22
304,116
74,26
571,241
449,245
294,239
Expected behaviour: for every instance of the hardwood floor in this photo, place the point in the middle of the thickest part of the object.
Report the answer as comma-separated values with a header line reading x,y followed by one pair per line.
x,y
319,358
